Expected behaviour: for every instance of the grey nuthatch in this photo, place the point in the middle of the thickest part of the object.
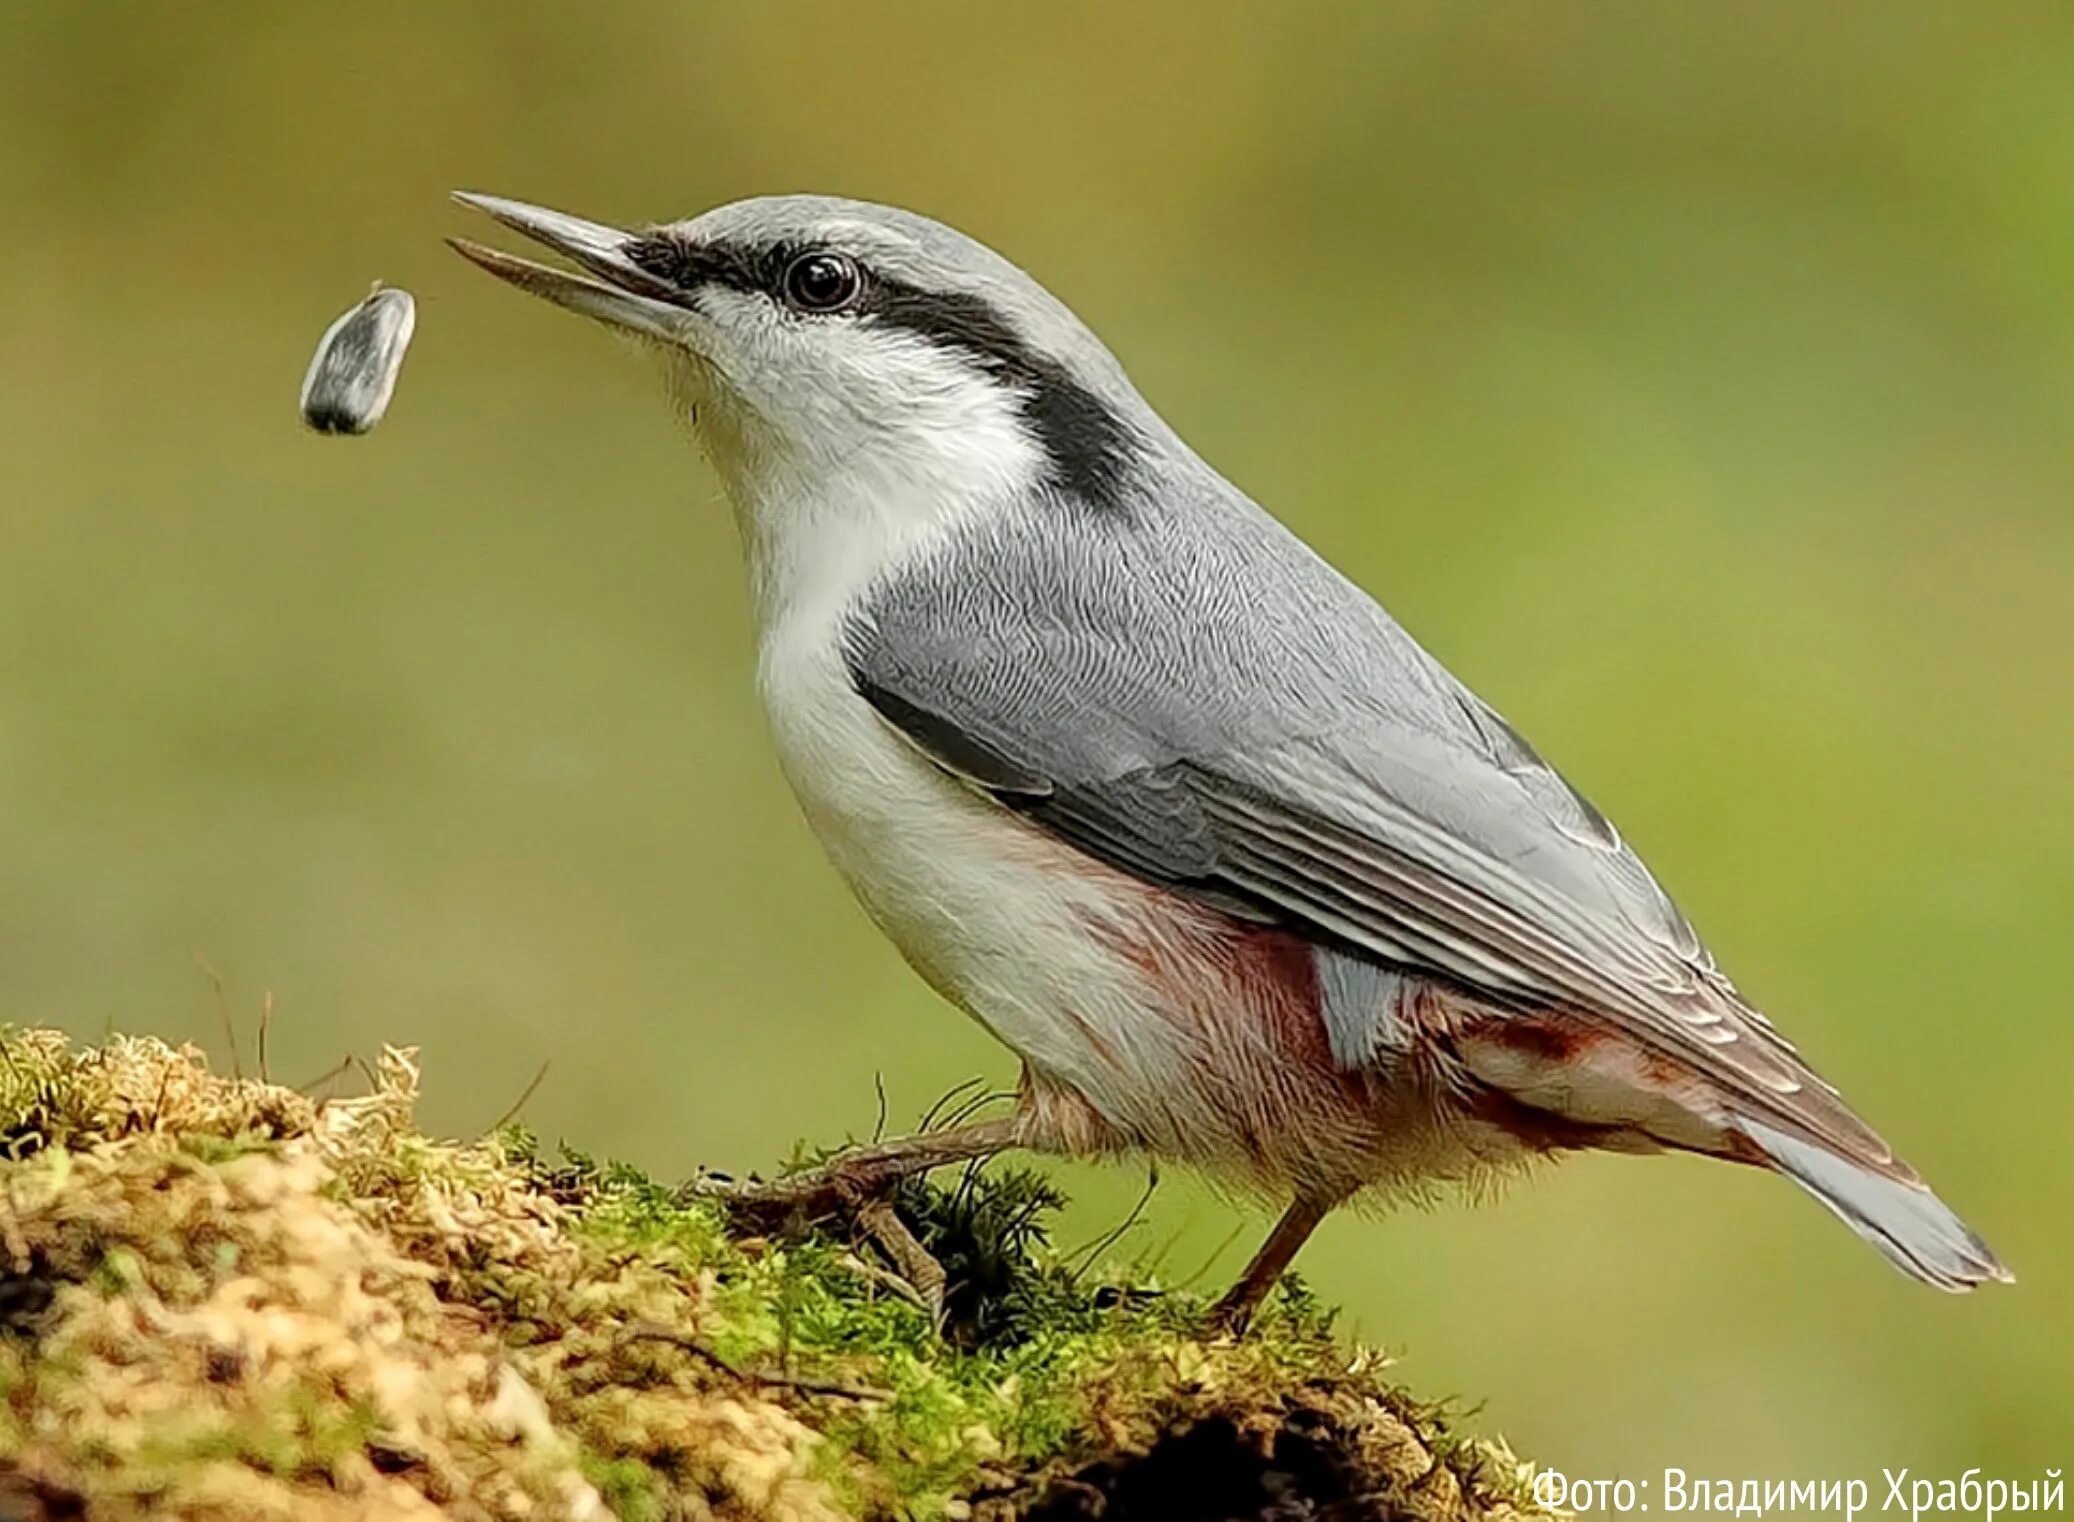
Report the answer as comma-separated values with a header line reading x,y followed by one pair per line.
x,y
1166,803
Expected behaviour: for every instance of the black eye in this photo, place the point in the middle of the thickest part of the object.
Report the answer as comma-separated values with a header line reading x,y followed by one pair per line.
x,y
822,282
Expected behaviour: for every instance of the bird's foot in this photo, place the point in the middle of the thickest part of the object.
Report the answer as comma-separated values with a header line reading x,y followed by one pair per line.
x,y
836,1190
856,1188
915,1265
843,1185
1233,1312
852,1197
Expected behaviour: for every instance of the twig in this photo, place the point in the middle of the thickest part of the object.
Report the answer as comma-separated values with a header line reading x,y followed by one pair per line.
x,y
974,1105
878,1130
929,1115
519,1103
158,1103
698,1347
968,1183
1089,1254
230,1026
329,1075
266,1019
1211,1262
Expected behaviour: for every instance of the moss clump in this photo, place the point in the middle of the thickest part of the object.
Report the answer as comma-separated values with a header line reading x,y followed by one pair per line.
x,y
224,1299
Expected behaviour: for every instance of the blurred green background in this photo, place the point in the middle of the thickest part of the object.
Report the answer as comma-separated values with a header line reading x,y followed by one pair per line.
x,y
1695,380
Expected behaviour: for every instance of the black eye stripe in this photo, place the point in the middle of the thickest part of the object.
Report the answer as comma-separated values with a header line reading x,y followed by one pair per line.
x,y
1089,445
1087,441
687,266
765,271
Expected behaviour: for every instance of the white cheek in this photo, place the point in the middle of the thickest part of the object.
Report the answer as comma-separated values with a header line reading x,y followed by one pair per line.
x,y
844,447
827,389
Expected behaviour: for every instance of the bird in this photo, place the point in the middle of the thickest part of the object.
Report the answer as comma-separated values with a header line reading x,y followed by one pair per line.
x,y
1132,776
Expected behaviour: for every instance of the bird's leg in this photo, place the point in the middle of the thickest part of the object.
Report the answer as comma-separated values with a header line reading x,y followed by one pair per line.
x,y
1236,1309
850,1180
855,1186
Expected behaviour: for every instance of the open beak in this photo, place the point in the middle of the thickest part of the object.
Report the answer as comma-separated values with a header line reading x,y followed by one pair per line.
x,y
624,294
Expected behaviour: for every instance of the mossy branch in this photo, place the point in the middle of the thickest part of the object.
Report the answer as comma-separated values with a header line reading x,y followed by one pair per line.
x,y
221,1298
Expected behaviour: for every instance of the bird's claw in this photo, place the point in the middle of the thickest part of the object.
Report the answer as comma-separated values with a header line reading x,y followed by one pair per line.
x,y
1233,1314
833,1190
856,1193
911,1260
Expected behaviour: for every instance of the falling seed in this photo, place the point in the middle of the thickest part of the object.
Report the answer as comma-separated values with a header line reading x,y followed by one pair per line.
x,y
353,373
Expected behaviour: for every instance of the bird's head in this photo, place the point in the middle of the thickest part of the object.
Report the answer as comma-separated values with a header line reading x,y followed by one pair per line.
x,y
820,344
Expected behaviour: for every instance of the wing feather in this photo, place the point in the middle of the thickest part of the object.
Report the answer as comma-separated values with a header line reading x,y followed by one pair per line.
x,y
1348,788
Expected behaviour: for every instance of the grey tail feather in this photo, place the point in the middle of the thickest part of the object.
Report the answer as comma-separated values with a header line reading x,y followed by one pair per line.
x,y
1910,1226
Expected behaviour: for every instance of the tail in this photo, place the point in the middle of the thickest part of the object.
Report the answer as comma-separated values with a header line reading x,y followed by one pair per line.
x,y
1910,1226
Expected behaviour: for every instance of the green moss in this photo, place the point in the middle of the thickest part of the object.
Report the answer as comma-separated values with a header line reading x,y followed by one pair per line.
x,y
1034,1358
226,1285
633,1491
204,1147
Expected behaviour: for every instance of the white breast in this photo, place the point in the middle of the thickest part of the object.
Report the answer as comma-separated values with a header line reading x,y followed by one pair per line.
x,y
990,911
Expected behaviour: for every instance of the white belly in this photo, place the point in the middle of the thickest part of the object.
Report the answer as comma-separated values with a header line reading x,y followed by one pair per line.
x,y
992,912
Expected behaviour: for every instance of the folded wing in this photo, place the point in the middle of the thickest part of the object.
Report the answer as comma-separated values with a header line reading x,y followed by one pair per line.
x,y
1240,723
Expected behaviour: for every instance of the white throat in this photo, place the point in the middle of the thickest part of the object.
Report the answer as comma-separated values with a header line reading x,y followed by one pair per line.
x,y
832,493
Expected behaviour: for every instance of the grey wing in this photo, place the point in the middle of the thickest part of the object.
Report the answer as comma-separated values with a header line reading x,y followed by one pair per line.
x,y
1192,696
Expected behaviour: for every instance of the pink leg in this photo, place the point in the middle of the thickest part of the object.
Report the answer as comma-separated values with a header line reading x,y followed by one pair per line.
x,y
1236,1309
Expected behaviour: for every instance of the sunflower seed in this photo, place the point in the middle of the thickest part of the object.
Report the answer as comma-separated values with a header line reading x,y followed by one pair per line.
x,y
353,373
